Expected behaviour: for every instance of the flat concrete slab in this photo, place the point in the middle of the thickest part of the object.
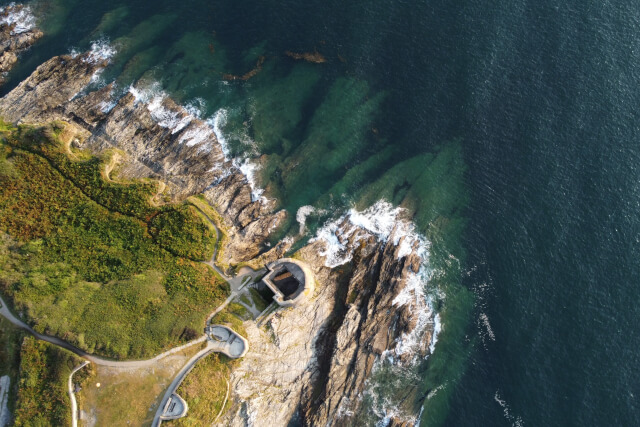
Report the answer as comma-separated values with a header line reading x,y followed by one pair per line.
x,y
175,408
227,341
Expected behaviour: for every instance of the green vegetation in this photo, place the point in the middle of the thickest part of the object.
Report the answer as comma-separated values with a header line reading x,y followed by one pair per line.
x,y
92,260
42,397
228,318
202,204
183,233
240,311
129,397
205,389
10,339
258,300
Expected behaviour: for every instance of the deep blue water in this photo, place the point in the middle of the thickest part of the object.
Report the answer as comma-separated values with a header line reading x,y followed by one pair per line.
x,y
530,110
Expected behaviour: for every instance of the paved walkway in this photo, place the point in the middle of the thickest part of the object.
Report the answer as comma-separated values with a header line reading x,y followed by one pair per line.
x,y
72,396
234,283
178,379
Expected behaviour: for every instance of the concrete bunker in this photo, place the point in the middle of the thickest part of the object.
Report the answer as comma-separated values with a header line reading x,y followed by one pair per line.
x,y
289,280
227,341
175,408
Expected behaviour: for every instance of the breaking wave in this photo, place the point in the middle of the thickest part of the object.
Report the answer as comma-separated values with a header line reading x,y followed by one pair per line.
x,y
515,421
389,224
154,98
304,212
19,18
101,50
382,220
248,168
182,120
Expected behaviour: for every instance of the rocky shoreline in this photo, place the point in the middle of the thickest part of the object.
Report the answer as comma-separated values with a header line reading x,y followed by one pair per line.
x,y
310,363
17,34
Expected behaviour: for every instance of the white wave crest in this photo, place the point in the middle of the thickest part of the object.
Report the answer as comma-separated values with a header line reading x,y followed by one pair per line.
x,y
515,421
487,325
196,134
219,120
248,168
20,18
381,220
304,212
383,406
343,235
154,97
422,307
101,50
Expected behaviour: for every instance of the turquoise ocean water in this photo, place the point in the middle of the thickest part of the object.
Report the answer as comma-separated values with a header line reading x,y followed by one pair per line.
x,y
508,130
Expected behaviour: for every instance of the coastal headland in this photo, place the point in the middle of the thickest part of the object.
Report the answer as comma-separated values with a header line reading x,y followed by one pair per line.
x,y
309,362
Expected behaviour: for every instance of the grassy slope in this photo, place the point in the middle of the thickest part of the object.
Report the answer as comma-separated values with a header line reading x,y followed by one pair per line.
x,y
204,390
205,387
81,261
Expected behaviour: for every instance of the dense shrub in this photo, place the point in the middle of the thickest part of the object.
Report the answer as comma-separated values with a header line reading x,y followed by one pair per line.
x,y
182,232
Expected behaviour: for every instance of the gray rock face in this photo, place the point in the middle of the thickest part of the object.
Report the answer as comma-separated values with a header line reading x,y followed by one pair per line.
x,y
368,324
312,361
15,38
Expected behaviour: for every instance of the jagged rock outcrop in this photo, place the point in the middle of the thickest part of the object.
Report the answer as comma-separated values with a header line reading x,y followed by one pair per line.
x,y
17,34
370,323
314,359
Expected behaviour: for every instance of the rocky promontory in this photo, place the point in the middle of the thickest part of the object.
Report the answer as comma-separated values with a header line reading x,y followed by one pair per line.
x,y
309,363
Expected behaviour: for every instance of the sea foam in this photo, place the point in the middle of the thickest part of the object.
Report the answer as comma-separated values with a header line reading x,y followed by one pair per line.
x,y
22,19
196,134
248,168
382,220
101,50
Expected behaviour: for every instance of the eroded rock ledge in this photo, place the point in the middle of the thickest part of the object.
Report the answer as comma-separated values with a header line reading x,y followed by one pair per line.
x,y
311,362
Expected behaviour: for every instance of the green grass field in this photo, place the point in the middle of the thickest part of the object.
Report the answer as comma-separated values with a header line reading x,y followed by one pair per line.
x,y
92,260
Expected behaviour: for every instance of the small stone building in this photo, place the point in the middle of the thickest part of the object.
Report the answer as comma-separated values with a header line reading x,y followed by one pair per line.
x,y
289,280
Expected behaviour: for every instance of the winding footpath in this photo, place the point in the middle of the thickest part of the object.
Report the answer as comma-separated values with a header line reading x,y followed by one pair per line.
x,y
6,313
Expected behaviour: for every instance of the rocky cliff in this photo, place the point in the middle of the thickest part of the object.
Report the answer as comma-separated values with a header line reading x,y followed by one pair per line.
x,y
17,33
309,363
